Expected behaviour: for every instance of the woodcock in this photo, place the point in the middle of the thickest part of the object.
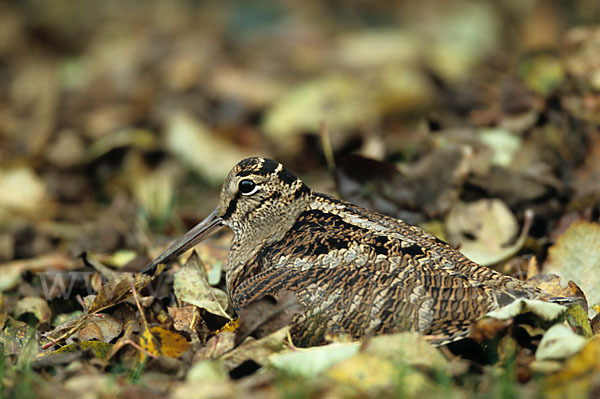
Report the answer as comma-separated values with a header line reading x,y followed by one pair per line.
x,y
355,272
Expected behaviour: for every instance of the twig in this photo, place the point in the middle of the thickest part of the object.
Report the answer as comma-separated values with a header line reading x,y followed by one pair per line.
x,y
327,149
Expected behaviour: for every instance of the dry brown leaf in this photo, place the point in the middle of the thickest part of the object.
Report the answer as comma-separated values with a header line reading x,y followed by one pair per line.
x,y
216,346
102,328
117,290
268,315
256,350
551,283
185,318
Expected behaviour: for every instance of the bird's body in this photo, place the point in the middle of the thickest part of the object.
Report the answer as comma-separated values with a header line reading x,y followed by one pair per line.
x,y
355,272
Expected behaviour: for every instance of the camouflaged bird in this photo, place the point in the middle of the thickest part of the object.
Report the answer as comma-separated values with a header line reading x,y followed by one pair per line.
x,y
355,272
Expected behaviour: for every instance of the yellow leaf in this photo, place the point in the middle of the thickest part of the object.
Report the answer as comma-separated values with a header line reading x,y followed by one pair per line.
x,y
172,344
231,326
576,256
363,372
149,344
100,349
159,341
577,376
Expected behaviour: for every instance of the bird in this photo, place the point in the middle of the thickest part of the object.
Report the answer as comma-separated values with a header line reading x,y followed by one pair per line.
x,y
355,272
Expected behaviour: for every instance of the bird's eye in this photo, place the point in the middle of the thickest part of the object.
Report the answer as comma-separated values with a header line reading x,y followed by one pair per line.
x,y
247,187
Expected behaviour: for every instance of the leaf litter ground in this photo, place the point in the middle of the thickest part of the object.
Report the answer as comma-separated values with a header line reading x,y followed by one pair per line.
x,y
118,123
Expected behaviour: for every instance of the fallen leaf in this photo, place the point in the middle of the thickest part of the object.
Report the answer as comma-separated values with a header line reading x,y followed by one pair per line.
x,y
595,324
12,271
93,386
578,375
311,362
484,230
117,290
184,318
138,138
406,347
243,84
366,373
100,349
457,38
15,335
375,47
217,346
503,143
268,315
127,338
207,370
121,257
578,320
516,187
155,192
256,350
208,389
191,286
559,342
37,306
190,140
337,98
103,328
22,192
64,331
542,73
149,344
172,344
580,54
429,186
66,150
576,256
56,359
545,310
551,283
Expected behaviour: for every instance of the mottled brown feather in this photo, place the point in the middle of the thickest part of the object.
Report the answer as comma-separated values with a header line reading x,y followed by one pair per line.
x,y
355,272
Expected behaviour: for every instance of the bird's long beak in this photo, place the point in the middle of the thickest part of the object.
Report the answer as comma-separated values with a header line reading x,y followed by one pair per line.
x,y
211,224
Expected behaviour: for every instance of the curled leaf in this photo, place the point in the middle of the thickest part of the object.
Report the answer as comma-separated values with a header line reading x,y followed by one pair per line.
x,y
117,290
191,286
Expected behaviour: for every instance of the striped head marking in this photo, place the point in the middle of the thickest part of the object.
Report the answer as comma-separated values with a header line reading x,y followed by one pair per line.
x,y
260,201
260,193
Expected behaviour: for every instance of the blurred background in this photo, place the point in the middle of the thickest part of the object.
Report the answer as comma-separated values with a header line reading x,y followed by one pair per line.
x,y
120,119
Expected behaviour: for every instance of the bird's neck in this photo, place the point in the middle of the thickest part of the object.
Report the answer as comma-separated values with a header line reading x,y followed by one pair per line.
x,y
250,236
